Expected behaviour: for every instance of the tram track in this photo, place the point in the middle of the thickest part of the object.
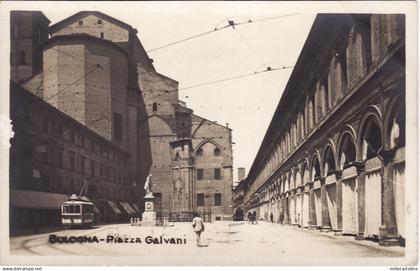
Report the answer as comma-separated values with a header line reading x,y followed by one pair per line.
x,y
28,245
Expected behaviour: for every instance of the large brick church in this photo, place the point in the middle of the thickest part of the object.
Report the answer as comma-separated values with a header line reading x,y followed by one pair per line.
x,y
94,69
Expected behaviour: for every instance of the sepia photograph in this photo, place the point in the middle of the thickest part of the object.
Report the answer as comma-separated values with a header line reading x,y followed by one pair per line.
x,y
209,133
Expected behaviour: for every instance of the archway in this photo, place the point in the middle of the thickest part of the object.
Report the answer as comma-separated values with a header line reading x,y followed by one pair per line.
x,y
371,144
347,154
239,214
316,207
298,196
395,141
305,200
331,186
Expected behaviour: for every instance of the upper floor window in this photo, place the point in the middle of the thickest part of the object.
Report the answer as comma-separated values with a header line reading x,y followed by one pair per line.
x,y
72,160
82,164
200,199
216,152
22,57
92,168
60,158
217,173
200,152
118,126
154,107
217,199
99,21
199,173
102,35
80,22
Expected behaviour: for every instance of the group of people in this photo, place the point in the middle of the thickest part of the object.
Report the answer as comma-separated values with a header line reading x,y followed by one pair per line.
x,y
252,218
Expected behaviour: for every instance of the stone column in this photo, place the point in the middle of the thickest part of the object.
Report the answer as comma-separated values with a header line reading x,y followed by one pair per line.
x,y
361,199
388,231
339,202
286,209
325,218
312,214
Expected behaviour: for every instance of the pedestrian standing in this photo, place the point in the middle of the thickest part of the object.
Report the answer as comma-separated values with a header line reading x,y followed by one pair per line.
x,y
198,226
281,218
271,218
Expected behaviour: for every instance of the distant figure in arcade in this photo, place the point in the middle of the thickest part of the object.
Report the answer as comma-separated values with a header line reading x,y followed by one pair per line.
x,y
271,218
198,227
249,216
281,218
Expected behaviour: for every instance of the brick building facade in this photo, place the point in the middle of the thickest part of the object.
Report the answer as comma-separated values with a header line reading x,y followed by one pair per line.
x,y
54,156
96,71
336,160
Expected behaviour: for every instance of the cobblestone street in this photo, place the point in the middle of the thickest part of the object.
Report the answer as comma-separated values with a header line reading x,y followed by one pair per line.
x,y
226,242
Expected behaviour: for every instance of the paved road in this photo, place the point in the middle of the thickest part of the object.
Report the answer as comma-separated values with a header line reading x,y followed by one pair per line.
x,y
224,243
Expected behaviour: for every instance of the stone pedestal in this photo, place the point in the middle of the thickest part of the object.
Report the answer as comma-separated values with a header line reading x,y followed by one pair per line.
x,y
149,214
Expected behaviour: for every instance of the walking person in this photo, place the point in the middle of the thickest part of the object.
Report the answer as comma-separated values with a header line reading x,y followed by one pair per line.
x,y
198,226
281,218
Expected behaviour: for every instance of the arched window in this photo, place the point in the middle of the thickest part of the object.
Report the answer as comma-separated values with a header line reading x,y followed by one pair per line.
x,y
216,152
311,113
329,162
372,140
356,57
316,170
318,103
200,152
154,107
337,77
325,97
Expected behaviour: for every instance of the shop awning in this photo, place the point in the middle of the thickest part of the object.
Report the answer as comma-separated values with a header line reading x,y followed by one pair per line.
x,y
131,208
36,199
127,207
96,209
135,207
114,207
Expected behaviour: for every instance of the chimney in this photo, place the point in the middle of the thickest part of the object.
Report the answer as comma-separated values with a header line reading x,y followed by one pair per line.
x,y
241,173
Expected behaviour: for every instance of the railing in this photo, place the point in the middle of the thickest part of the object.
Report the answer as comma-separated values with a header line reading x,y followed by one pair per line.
x,y
187,216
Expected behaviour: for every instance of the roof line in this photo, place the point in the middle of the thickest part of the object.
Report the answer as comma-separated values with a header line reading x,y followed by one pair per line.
x,y
55,27
83,36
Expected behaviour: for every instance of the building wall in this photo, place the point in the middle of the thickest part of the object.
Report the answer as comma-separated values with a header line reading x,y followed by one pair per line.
x,y
51,152
307,177
156,132
91,93
91,26
207,136
27,31
113,74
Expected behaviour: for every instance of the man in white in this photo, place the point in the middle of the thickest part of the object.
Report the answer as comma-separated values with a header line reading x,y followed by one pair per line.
x,y
198,226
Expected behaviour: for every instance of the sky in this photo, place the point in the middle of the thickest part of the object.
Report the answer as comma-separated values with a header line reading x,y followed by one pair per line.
x,y
246,104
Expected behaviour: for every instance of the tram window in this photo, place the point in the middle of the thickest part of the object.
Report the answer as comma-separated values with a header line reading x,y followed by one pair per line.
x,y
88,208
72,209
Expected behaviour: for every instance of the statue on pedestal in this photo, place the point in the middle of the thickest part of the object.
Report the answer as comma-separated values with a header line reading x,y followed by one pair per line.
x,y
149,214
148,185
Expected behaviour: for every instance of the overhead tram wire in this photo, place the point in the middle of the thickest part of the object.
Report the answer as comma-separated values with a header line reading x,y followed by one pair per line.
x,y
231,23
268,69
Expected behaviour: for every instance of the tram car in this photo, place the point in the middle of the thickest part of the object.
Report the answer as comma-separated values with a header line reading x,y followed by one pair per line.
x,y
77,212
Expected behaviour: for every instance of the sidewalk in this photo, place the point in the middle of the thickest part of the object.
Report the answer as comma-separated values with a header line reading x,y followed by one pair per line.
x,y
348,238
